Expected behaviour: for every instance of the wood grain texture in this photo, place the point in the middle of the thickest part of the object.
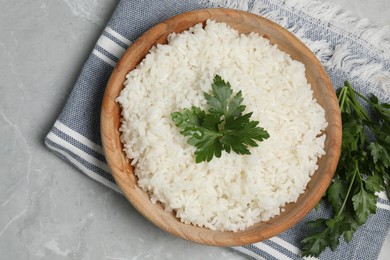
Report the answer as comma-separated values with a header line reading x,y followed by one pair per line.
x,y
245,23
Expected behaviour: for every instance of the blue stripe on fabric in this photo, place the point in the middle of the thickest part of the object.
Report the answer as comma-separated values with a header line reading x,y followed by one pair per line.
x,y
106,53
281,249
79,145
260,252
63,157
82,111
129,17
116,40
87,164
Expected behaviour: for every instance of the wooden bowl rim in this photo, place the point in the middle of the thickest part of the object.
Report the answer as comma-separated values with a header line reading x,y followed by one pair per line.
x,y
110,136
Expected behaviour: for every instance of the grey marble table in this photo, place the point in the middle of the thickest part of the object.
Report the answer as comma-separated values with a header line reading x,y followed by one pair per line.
x,y
48,209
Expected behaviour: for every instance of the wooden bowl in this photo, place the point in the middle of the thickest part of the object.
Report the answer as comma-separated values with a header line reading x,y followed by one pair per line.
x,y
245,23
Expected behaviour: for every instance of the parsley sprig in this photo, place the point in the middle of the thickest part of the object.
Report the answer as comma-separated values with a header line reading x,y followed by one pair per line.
x,y
222,127
362,171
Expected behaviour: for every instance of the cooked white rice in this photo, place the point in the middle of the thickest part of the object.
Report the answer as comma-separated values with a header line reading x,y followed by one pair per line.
x,y
235,191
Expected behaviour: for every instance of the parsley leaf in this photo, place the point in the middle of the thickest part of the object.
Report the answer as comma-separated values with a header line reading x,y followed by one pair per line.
x,y
221,103
363,169
203,132
240,132
315,243
336,194
374,183
223,127
379,152
364,204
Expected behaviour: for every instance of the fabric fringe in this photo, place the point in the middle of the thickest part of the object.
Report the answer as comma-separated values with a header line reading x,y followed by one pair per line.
x,y
375,35
375,39
233,4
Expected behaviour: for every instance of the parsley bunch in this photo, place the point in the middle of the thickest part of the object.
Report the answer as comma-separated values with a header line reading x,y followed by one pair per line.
x,y
363,169
222,127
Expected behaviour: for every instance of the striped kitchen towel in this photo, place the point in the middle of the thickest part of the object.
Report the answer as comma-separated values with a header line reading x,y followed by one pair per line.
x,y
348,49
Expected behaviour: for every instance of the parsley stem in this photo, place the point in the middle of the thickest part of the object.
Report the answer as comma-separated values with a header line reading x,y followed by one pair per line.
x,y
349,189
342,98
356,93
355,104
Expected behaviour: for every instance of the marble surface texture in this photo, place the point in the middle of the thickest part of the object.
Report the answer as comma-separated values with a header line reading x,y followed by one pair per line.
x,y
48,209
